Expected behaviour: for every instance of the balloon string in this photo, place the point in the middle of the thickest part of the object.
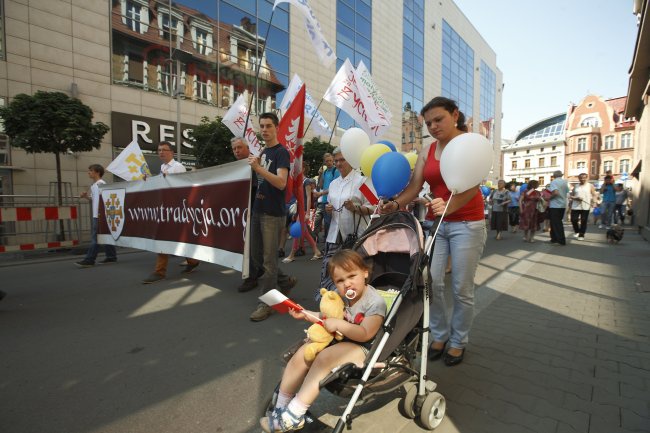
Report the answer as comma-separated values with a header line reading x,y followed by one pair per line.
x,y
433,238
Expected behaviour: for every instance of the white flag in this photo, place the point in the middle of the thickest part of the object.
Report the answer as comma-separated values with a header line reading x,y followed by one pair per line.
x,y
324,50
130,163
320,125
368,86
235,119
344,93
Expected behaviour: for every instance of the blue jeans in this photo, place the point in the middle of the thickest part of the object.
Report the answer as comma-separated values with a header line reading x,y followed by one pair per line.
x,y
265,236
93,250
608,212
464,242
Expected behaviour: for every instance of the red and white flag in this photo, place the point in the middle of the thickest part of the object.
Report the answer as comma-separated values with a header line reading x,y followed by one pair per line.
x,y
280,303
290,131
235,119
368,191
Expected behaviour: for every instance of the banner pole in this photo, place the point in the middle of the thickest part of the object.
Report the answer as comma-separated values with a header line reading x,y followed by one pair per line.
x,y
338,111
314,115
257,71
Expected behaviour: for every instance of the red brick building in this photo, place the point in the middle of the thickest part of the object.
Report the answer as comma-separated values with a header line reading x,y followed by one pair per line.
x,y
599,138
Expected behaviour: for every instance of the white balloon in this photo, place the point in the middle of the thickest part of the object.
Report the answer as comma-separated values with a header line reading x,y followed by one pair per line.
x,y
466,161
353,142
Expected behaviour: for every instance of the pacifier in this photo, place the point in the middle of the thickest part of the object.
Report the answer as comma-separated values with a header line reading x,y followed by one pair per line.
x,y
350,294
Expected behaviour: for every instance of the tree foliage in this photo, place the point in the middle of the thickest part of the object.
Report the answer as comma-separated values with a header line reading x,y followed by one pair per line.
x,y
313,152
51,122
212,142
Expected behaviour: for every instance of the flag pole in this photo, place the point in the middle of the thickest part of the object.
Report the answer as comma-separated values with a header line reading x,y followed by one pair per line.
x,y
338,111
314,115
257,70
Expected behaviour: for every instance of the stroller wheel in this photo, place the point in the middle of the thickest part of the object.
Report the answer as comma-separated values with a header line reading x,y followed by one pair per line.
x,y
433,410
408,402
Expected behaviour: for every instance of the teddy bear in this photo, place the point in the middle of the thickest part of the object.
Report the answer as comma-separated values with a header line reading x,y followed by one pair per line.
x,y
331,306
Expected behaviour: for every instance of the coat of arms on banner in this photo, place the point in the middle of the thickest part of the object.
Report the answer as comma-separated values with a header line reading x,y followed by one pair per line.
x,y
114,209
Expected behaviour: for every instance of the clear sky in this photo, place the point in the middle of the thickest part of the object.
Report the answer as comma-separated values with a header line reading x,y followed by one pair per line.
x,y
554,52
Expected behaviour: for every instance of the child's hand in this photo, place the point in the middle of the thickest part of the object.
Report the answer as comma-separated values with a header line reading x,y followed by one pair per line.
x,y
297,314
332,325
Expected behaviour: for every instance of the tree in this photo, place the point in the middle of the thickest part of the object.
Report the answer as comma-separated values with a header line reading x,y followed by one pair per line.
x,y
313,153
51,122
212,142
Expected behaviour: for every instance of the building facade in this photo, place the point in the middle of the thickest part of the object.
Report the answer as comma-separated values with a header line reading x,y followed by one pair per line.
x,y
122,59
536,152
638,97
599,140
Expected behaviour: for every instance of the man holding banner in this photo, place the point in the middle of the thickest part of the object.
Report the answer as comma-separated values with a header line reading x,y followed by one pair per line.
x,y
268,216
169,166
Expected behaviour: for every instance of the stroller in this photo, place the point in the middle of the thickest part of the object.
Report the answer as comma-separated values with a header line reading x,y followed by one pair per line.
x,y
397,256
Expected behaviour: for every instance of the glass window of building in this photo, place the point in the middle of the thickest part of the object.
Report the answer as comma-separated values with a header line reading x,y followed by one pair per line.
x,y
541,162
581,165
514,165
412,72
457,70
353,30
582,144
609,142
593,167
222,41
527,163
607,165
541,180
594,143
553,160
488,98
624,166
626,141
590,121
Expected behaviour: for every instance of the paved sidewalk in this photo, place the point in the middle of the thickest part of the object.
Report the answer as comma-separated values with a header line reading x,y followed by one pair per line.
x,y
560,343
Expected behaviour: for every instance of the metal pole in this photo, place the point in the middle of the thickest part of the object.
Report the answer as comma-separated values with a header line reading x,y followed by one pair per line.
x,y
178,101
338,111
314,115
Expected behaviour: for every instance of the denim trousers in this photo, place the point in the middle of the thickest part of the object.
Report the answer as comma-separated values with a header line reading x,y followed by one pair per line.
x,y
265,237
463,241
93,250
607,212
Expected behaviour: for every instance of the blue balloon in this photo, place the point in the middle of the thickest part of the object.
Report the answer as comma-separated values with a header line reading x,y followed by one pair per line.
x,y
485,190
597,211
390,174
295,230
389,144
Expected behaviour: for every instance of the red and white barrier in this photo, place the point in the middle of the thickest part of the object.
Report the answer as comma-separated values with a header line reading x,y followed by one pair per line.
x,y
49,213
44,245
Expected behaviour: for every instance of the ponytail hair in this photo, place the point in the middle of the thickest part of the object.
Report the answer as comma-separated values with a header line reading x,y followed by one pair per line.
x,y
450,106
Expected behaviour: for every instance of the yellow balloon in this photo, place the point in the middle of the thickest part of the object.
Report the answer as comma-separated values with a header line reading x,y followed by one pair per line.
x,y
370,155
488,183
412,158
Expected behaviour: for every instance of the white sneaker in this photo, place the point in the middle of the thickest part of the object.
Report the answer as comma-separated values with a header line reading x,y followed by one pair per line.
x,y
601,226
575,235
581,238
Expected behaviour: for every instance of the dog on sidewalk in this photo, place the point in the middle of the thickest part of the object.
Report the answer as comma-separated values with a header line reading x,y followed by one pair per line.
x,y
615,234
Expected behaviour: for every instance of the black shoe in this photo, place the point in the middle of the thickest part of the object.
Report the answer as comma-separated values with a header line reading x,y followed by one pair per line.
x,y
85,264
280,252
247,285
108,260
451,360
433,354
189,268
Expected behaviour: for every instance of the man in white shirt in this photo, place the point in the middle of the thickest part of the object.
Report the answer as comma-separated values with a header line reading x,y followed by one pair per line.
x,y
169,166
583,198
95,172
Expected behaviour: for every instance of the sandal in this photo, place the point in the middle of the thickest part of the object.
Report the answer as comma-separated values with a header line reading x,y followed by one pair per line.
x,y
288,260
316,257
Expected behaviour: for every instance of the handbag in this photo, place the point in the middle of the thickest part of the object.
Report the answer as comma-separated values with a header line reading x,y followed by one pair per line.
x,y
351,239
541,205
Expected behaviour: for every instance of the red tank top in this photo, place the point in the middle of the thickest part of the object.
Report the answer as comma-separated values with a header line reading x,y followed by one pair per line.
x,y
473,209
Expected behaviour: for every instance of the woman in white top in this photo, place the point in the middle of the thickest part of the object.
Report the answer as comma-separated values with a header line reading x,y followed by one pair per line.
x,y
349,208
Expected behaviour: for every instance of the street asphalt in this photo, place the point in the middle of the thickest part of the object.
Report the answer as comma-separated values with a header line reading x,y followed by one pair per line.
x,y
560,343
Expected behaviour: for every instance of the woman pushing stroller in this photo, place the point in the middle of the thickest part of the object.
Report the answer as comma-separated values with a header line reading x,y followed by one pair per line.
x,y
364,314
461,235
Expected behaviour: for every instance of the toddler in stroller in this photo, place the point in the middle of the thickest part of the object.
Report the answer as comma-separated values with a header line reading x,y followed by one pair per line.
x,y
363,317
392,249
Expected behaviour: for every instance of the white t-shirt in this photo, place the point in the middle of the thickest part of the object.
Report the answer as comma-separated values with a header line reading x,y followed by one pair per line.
x,y
172,167
582,192
343,220
95,196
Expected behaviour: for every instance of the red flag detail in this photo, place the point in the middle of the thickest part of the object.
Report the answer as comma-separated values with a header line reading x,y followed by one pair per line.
x,y
368,194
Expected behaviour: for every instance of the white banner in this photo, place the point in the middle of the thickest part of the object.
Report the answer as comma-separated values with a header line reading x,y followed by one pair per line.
x,y
370,89
344,92
235,119
323,49
130,163
319,124
200,214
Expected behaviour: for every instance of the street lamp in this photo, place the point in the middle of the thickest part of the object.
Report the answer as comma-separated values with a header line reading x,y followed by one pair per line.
x,y
179,56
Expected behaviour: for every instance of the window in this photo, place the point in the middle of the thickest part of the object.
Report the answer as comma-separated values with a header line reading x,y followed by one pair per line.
x,y
541,180
609,142
202,89
553,148
136,70
626,141
607,165
541,150
593,167
581,165
553,160
526,179
582,144
133,16
202,41
541,162
527,163
167,78
624,166
591,121
514,165
594,143
514,153
527,151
